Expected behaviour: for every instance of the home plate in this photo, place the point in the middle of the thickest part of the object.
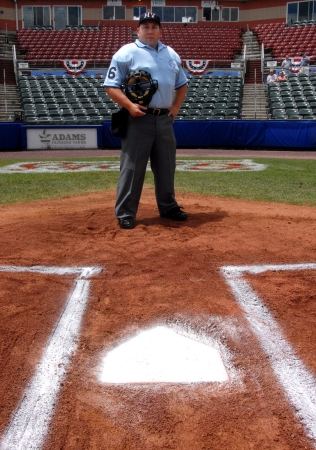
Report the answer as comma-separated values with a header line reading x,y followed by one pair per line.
x,y
160,355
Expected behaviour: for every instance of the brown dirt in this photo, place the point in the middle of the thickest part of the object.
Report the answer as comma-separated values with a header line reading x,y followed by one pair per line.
x,y
159,273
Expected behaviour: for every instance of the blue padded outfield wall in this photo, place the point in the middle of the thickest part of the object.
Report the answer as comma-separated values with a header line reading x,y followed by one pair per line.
x,y
237,134
196,134
10,136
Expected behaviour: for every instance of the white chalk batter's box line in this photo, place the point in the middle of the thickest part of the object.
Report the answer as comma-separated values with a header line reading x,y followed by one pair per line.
x,y
242,165
30,421
297,381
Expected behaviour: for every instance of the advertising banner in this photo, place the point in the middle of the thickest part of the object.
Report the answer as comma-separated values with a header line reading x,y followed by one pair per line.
x,y
61,138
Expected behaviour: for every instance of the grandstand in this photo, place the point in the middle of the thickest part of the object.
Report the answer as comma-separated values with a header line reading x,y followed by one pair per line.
x,y
49,47
204,42
64,100
294,99
81,99
50,99
280,40
58,71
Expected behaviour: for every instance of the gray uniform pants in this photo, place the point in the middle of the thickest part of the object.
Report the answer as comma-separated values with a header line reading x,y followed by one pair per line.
x,y
147,137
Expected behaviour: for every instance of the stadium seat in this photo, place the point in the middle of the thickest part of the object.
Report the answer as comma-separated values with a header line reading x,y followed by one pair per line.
x,y
196,105
207,112
304,112
236,105
220,105
219,112
194,112
278,114
70,121
208,105
233,112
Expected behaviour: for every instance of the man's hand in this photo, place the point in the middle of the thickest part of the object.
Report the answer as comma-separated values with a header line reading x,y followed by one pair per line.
x,y
179,97
136,110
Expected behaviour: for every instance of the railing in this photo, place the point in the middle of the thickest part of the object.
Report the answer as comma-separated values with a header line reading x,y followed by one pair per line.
x,y
14,65
51,66
249,36
5,96
262,61
255,93
57,64
245,59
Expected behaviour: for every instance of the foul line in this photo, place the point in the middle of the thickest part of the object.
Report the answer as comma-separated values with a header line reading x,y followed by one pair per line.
x,y
29,424
297,381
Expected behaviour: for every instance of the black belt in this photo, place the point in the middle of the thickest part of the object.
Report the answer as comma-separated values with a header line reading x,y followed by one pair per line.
x,y
157,111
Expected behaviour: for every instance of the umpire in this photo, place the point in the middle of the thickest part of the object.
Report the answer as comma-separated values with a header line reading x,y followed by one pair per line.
x,y
149,130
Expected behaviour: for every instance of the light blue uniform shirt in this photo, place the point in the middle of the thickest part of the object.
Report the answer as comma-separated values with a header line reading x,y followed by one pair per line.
x,y
164,66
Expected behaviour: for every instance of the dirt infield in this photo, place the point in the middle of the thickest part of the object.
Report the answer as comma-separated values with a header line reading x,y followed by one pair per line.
x,y
184,276
197,152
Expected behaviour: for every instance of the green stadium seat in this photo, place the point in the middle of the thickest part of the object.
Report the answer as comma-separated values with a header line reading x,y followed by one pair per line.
x,y
207,112
194,111
71,121
196,105
278,114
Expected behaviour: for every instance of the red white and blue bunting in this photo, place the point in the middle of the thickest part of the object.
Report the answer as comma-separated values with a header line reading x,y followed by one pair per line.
x,y
197,67
75,66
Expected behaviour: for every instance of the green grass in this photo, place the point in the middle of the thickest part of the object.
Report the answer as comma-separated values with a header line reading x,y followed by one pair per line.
x,y
287,181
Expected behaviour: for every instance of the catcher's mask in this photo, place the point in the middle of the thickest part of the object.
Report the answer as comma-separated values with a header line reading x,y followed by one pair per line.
x,y
140,87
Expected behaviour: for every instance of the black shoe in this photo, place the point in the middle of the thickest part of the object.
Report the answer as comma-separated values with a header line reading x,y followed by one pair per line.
x,y
127,222
175,214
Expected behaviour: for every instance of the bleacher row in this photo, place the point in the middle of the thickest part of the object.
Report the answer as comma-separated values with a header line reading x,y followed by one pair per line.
x,y
50,99
52,45
100,44
204,42
194,42
215,97
64,100
294,99
281,40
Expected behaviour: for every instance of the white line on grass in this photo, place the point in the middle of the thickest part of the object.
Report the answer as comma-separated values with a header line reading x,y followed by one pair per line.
x,y
30,421
298,382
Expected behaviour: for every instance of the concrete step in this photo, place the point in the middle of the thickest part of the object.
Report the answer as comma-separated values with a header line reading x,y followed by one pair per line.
x,y
255,105
255,87
259,102
9,102
255,102
253,92
253,54
255,115
262,112
253,45
252,57
258,108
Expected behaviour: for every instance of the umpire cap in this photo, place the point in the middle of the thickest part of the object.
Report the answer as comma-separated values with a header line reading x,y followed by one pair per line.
x,y
149,16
